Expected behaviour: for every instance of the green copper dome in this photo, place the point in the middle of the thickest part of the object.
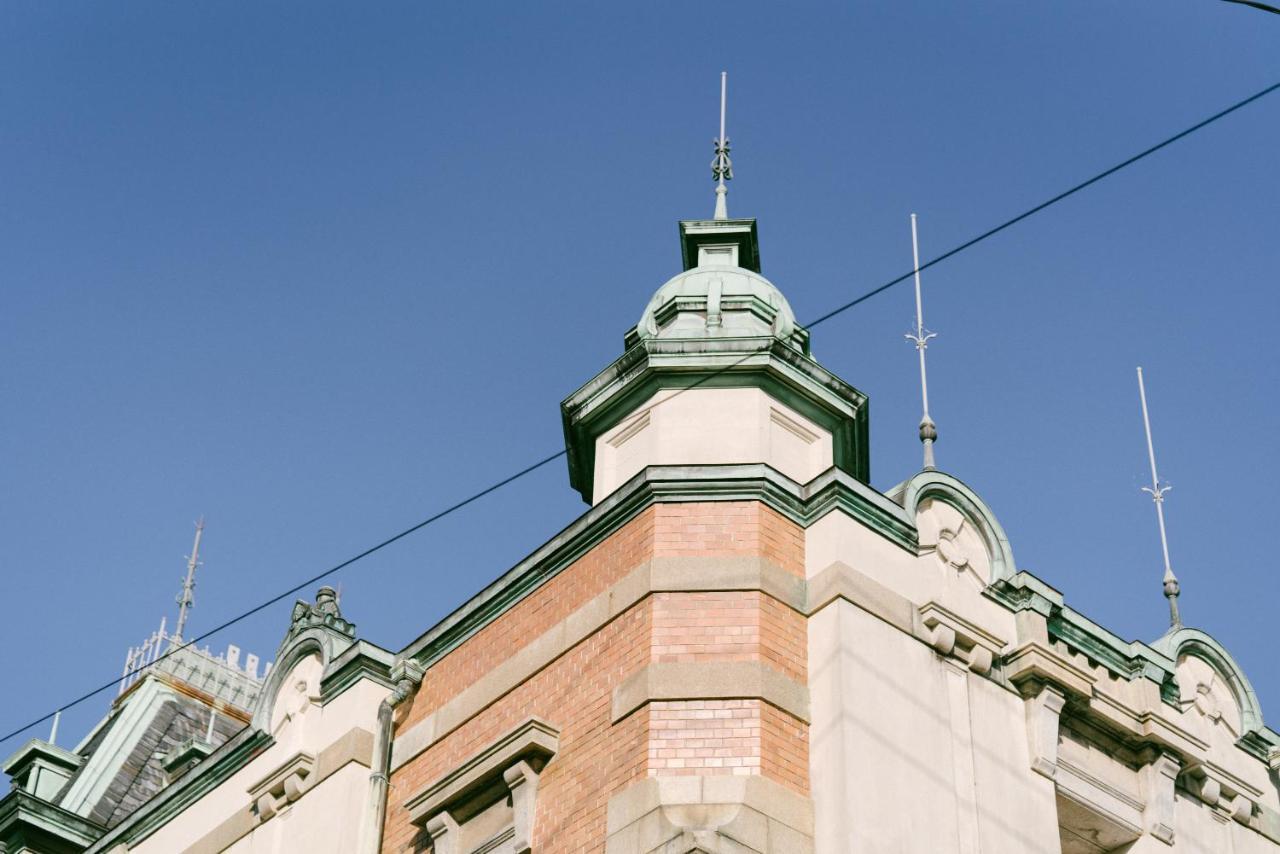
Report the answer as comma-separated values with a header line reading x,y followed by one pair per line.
x,y
719,301
720,294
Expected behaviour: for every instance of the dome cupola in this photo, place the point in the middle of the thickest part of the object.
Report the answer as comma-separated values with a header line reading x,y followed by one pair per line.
x,y
716,373
721,293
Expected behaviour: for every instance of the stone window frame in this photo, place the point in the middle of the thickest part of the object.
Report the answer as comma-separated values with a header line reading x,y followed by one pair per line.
x,y
513,761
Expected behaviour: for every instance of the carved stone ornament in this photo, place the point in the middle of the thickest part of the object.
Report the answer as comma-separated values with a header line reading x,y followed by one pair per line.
x,y
282,786
954,540
323,613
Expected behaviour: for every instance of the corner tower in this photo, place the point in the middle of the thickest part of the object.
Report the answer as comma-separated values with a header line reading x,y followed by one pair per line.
x,y
717,371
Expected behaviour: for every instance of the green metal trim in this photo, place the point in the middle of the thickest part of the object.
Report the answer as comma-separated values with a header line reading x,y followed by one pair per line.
x,y
20,808
658,364
170,802
361,660
1185,641
1025,592
1125,659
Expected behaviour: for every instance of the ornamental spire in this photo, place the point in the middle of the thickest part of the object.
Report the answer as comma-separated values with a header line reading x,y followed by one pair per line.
x,y
920,337
721,166
1157,492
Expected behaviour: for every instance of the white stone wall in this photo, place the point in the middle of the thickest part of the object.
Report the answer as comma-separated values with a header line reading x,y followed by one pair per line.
x,y
711,426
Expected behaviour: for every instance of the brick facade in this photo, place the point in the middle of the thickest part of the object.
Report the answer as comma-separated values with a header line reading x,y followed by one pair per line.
x,y
597,757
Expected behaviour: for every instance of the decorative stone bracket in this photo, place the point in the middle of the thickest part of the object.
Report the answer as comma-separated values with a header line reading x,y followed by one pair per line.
x,y
1044,711
953,635
1221,790
283,786
509,767
1156,779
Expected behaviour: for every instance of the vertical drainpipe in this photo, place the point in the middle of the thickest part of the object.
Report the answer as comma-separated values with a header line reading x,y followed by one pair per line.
x,y
406,675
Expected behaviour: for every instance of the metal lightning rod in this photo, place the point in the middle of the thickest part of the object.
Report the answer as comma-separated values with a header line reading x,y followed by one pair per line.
x,y
187,597
920,337
1157,492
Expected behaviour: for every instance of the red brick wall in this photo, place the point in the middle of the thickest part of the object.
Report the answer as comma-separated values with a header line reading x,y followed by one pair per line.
x,y
596,758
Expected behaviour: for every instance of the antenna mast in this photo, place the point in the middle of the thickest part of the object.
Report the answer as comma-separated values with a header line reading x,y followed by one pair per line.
x,y
920,337
1157,492
721,166
187,598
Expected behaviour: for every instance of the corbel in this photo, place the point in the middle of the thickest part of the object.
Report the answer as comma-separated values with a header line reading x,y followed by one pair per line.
x,y
953,635
1157,778
283,786
1221,790
522,782
444,834
1044,712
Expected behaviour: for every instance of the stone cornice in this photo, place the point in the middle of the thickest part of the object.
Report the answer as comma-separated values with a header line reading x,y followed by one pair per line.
x,y
361,660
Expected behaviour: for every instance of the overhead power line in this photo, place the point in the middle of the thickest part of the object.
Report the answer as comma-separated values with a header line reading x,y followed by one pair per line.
x,y
1266,7
991,232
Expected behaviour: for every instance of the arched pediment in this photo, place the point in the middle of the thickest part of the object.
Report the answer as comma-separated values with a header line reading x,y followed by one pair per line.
x,y
957,526
1210,680
317,630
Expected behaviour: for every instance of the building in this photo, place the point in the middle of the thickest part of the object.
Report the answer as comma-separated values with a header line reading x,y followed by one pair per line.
x,y
740,647
170,712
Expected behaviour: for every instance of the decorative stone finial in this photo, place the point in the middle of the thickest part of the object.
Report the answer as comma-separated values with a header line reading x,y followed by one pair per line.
x,y
324,613
721,165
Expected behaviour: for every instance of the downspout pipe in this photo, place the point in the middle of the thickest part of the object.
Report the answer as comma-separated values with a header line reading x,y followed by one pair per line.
x,y
407,676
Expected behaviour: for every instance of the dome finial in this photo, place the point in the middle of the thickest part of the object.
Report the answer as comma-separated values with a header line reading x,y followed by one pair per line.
x,y
721,166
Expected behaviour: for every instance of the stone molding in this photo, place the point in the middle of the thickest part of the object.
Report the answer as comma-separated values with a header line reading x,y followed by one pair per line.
x,y
710,680
285,785
535,738
516,759
720,814
659,575
949,633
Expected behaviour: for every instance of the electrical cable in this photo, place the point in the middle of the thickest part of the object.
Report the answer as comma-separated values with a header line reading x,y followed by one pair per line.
x,y
991,232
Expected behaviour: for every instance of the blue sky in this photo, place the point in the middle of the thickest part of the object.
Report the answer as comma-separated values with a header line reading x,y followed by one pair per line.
x,y
316,271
